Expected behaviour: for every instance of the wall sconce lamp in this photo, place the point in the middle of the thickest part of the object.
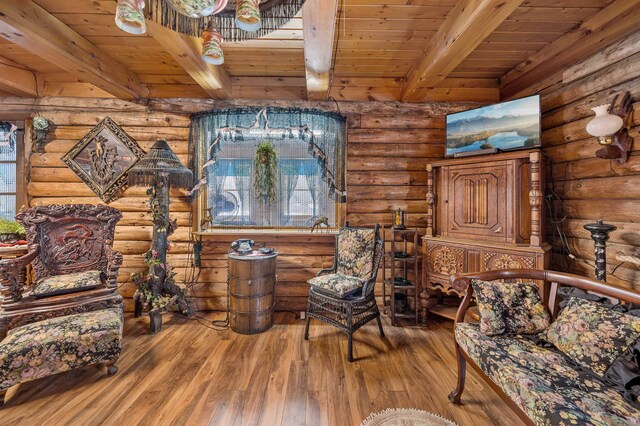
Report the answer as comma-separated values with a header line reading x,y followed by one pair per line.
x,y
611,129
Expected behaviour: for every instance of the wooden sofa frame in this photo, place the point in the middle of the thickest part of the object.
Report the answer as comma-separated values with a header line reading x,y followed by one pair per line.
x,y
548,289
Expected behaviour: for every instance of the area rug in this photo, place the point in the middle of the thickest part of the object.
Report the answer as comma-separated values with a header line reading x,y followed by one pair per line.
x,y
405,417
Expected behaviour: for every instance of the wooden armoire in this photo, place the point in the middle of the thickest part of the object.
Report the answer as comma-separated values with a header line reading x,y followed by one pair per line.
x,y
484,213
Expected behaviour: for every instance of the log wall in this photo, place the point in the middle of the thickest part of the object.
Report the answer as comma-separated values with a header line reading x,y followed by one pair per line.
x,y
388,148
592,188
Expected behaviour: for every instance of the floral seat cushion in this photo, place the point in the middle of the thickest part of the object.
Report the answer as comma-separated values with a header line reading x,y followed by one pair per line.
x,y
543,383
60,344
337,284
68,283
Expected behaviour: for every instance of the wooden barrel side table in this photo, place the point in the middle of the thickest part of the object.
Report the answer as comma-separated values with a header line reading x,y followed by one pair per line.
x,y
252,282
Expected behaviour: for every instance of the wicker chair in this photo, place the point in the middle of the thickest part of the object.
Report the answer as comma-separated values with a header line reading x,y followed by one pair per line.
x,y
343,296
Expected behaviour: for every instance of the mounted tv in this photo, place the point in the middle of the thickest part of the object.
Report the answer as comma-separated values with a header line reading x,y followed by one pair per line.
x,y
495,128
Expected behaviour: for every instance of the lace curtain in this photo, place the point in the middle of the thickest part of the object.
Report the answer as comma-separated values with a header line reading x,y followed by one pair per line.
x,y
310,147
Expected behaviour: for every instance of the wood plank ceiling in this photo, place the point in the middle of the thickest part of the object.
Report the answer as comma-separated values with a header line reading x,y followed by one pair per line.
x,y
412,50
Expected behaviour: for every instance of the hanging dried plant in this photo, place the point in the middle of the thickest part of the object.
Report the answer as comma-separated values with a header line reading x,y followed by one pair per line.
x,y
265,174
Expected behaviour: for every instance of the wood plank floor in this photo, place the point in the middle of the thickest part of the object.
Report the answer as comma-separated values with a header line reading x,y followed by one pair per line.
x,y
191,375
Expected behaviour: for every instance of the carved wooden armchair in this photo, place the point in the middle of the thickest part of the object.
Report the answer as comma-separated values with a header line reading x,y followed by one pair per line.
x,y
74,265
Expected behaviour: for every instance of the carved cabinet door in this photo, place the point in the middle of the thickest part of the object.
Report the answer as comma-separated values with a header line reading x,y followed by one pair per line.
x,y
476,201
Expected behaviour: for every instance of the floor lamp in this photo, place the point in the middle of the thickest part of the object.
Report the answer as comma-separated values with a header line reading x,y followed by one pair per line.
x,y
159,170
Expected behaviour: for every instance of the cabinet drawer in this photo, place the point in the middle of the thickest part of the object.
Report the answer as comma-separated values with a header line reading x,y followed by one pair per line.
x,y
491,260
445,260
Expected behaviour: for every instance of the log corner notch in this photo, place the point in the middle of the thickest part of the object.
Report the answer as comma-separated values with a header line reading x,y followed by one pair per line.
x,y
318,26
17,80
25,23
612,23
466,26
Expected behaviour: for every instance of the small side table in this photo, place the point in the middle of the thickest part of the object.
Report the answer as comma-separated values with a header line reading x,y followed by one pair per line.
x,y
252,282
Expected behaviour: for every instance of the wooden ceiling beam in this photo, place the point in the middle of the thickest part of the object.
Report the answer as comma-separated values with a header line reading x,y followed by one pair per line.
x,y
28,25
318,27
17,80
612,23
187,52
466,26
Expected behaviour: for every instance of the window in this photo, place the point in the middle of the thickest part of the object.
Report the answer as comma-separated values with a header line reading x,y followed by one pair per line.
x,y
8,170
301,196
308,181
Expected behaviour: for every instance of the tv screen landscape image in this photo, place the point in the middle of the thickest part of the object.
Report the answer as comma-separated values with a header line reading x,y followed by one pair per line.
x,y
505,126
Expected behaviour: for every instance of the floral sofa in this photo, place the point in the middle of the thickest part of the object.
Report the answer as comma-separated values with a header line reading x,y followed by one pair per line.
x,y
540,382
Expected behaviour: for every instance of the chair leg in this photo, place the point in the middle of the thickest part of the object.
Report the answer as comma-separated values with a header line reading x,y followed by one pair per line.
x,y
3,393
380,326
456,394
306,327
112,368
350,348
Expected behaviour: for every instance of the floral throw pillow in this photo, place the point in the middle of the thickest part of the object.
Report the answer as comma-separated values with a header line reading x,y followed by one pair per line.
x,y
592,334
506,308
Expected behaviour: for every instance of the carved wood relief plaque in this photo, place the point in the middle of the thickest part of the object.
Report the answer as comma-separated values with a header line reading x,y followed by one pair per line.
x,y
446,260
103,157
492,260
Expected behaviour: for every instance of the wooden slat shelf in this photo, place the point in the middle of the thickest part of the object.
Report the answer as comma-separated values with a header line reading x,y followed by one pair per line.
x,y
399,286
404,259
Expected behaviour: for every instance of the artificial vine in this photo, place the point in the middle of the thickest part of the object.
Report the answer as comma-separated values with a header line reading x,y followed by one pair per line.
x,y
265,174
154,300
144,282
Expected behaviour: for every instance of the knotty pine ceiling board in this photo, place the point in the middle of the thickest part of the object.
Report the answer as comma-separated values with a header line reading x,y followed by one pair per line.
x,y
530,28
376,39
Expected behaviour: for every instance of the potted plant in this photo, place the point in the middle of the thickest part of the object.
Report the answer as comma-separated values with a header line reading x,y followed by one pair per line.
x,y
11,231
265,173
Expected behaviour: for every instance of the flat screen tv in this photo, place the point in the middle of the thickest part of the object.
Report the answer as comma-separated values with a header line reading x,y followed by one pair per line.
x,y
500,127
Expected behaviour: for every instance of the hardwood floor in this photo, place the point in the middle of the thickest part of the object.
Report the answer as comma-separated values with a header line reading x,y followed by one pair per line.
x,y
191,375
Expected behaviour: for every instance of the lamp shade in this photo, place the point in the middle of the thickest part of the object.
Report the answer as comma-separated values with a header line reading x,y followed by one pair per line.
x,y
248,15
604,123
130,16
212,46
160,160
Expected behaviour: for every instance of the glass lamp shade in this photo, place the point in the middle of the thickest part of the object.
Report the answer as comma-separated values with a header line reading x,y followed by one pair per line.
x,y
130,16
196,8
604,125
248,15
212,46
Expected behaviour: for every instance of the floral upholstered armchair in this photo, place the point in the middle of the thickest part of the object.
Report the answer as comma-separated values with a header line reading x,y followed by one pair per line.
x,y
72,315
343,295
74,266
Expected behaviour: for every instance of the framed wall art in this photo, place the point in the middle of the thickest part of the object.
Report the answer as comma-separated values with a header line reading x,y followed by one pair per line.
x,y
103,157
